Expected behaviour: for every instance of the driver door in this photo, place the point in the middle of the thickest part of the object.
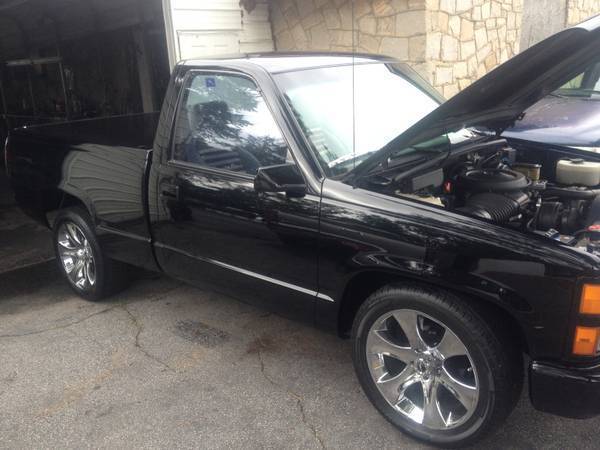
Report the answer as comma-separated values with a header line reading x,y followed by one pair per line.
x,y
214,228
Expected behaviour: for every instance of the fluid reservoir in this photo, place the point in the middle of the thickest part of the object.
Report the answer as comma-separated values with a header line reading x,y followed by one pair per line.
x,y
578,172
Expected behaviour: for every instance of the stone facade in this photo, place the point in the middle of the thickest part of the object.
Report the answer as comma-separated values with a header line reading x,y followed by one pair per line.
x,y
579,10
396,28
468,38
450,42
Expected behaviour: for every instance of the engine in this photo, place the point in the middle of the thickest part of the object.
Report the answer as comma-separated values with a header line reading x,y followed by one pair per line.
x,y
563,205
496,194
509,196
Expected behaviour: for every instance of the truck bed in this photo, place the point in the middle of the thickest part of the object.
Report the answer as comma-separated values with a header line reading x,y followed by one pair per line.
x,y
100,162
133,131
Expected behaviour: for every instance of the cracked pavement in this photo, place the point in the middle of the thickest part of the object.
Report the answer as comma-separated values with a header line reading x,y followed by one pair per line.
x,y
164,364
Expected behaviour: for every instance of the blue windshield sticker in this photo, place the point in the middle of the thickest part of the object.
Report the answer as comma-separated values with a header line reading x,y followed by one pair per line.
x,y
210,83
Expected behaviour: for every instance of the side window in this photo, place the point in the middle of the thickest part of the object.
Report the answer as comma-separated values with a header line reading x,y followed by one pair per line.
x,y
575,83
224,123
596,77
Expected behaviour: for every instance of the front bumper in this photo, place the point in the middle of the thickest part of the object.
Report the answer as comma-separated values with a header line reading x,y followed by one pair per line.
x,y
565,391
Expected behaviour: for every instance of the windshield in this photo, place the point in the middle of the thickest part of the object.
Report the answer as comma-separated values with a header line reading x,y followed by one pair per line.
x,y
388,99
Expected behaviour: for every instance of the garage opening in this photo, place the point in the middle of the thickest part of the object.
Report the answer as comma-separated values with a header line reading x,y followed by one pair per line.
x,y
71,60
75,59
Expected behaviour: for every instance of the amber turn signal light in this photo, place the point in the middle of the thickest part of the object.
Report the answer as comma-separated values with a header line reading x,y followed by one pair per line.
x,y
590,299
586,341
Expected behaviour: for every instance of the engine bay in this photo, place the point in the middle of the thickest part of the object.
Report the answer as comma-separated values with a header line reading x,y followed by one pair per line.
x,y
550,195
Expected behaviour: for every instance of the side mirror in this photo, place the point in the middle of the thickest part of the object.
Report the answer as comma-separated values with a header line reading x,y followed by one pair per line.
x,y
280,178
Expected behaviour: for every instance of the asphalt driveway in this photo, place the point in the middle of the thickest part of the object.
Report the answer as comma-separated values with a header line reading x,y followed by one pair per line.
x,y
164,365
167,365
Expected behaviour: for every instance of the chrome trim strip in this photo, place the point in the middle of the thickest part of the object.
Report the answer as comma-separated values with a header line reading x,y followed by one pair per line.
x,y
247,272
325,297
111,230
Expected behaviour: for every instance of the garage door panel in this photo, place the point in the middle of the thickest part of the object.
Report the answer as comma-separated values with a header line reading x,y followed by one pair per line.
x,y
207,20
198,29
209,5
198,45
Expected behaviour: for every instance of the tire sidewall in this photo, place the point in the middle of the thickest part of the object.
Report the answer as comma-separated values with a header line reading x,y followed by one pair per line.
x,y
81,219
426,302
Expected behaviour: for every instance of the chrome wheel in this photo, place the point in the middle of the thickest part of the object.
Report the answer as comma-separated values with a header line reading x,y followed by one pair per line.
x,y
76,255
422,369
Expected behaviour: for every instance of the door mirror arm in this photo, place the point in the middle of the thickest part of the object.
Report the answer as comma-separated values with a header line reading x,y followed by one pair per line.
x,y
280,178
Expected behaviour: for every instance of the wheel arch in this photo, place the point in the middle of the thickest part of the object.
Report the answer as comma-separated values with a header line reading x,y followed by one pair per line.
x,y
64,200
365,283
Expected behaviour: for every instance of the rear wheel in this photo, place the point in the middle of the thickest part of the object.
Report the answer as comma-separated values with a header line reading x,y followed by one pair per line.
x,y
88,271
433,367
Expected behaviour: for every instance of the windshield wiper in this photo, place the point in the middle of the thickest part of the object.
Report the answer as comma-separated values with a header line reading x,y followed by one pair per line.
x,y
482,132
418,161
350,157
415,166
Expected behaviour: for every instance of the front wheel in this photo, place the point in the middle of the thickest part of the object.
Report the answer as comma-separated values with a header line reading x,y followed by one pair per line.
x,y
432,366
80,258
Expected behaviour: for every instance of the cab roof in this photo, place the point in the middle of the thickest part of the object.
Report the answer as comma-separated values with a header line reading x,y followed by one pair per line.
x,y
276,62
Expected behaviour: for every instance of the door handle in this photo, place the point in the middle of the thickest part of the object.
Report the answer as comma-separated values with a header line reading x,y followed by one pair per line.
x,y
170,191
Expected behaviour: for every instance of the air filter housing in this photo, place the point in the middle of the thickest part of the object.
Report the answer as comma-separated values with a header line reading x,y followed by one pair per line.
x,y
492,180
488,205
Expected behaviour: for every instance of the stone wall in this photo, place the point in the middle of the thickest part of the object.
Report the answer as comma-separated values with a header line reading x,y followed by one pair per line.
x,y
450,42
392,27
580,10
468,38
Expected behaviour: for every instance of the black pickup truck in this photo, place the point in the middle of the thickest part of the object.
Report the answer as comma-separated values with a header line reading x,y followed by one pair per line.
x,y
443,250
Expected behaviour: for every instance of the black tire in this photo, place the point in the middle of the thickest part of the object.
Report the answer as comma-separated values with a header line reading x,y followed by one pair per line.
x,y
110,275
495,357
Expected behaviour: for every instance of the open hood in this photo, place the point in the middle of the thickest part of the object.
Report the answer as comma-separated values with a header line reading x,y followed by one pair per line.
x,y
498,99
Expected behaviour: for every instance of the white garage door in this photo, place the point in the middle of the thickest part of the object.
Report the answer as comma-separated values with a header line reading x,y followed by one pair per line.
x,y
204,28
202,44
